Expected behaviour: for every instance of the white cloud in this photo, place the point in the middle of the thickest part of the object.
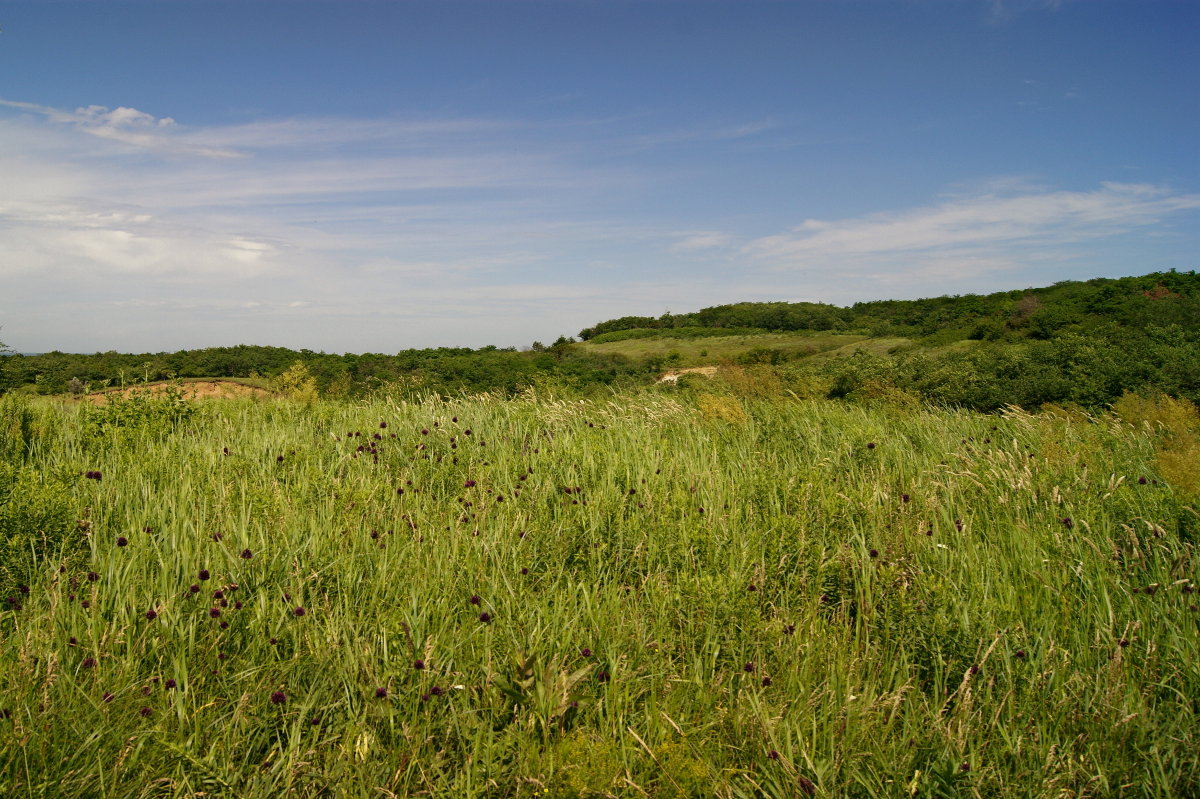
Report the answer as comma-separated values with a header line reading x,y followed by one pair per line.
x,y
980,224
127,126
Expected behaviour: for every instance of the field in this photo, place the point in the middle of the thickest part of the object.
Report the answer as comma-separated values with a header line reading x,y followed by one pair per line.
x,y
687,592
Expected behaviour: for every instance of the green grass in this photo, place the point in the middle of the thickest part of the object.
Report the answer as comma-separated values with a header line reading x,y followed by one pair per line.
x,y
772,607
713,350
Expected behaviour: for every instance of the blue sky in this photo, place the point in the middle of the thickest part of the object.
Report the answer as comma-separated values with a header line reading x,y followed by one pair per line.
x,y
372,176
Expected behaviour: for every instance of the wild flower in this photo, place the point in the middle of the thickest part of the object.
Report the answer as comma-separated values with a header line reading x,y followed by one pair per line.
x,y
151,614
122,541
278,697
418,664
485,617
381,693
299,612
246,554
204,574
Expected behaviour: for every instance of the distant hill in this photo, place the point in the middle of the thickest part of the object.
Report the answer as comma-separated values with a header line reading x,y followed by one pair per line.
x,y
1081,342
1159,298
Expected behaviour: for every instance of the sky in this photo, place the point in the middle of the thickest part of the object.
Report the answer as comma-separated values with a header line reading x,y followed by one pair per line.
x,y
358,176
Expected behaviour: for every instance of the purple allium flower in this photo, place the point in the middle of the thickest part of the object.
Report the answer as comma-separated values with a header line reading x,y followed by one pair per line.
x,y
469,484
958,525
973,670
773,755
485,617
1020,654
224,625
151,614
170,683
88,663
905,497
218,594
436,691
204,575
92,577
72,641
247,554
788,629
1123,642
299,612
122,541
766,682
603,676
273,641
752,587
870,445
475,600
874,553
748,668
1142,481
585,652
145,712
85,604
237,605
965,766
224,450
424,431
217,536
24,589
806,786
381,693
193,589
524,570
418,664
278,697
1067,522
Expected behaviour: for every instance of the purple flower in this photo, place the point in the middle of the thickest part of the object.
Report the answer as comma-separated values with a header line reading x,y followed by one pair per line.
x,y
475,600
585,652
108,696
247,554
436,691
122,541
145,712
773,755
214,612
871,445
485,617
381,693
151,614
193,589
204,575
170,683
748,668
299,612
469,484
766,682
92,577
418,664
278,698
89,663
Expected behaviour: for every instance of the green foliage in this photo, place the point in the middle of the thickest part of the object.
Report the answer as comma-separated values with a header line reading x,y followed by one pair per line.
x,y
156,413
36,524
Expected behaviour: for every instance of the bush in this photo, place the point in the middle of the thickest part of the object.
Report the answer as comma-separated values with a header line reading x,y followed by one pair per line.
x,y
36,517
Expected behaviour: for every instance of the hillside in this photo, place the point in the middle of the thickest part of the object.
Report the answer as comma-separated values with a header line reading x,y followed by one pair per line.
x,y
1074,342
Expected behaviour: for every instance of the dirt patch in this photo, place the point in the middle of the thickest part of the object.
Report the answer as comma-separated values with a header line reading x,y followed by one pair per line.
x,y
673,377
191,389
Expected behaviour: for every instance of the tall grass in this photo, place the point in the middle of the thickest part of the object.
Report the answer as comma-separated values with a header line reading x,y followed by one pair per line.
x,y
621,597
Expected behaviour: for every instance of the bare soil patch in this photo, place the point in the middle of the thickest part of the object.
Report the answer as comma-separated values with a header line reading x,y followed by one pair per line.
x,y
191,389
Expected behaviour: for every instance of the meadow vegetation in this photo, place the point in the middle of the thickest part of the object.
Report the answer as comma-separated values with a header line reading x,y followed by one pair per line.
x,y
734,587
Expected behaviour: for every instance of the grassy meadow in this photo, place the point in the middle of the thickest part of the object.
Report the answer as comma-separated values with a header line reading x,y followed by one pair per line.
x,y
698,591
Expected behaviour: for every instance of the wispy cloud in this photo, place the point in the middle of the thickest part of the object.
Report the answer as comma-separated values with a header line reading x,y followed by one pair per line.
x,y
980,224
128,126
